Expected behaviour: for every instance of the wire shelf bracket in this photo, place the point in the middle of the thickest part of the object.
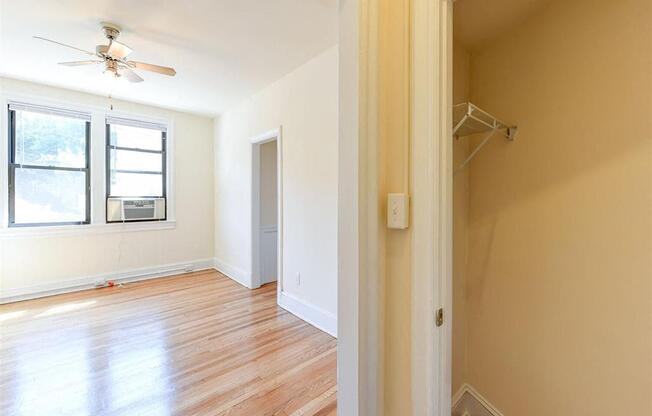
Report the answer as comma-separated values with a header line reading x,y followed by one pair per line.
x,y
469,119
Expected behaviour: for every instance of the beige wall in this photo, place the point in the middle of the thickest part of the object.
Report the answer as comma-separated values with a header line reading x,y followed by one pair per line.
x,y
394,120
32,264
461,79
560,263
394,171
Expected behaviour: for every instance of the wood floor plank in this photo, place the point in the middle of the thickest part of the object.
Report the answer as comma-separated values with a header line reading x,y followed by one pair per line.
x,y
195,344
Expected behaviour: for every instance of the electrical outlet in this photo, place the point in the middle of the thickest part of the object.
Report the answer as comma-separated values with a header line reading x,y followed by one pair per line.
x,y
298,279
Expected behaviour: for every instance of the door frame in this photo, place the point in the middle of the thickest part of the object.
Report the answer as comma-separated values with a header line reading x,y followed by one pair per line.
x,y
360,307
256,142
432,238
360,304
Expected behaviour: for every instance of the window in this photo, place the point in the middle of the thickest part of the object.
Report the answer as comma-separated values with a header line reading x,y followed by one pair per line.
x,y
49,168
135,159
52,179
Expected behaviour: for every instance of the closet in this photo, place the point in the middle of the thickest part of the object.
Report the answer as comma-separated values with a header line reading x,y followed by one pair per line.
x,y
551,207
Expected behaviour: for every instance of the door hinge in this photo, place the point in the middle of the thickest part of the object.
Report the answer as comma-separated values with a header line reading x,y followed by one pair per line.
x,y
439,317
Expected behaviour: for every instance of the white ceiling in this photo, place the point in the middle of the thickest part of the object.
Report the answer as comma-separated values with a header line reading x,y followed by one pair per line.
x,y
477,22
223,50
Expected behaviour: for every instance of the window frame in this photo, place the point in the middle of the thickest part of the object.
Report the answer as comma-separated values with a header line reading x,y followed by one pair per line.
x,y
164,169
98,114
11,172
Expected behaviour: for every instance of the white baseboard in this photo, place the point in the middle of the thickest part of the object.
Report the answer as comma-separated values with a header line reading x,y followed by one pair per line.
x,y
458,394
308,312
305,311
88,282
234,273
467,388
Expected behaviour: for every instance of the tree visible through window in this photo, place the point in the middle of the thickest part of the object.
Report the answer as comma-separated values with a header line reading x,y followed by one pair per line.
x,y
136,162
49,174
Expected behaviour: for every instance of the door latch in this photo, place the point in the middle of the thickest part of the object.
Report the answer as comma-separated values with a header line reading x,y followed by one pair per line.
x,y
439,317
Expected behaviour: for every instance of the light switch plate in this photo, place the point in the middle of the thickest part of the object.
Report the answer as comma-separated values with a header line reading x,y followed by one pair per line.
x,y
398,211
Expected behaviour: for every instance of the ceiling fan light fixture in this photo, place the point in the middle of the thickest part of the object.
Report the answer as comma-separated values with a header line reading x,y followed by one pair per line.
x,y
111,70
110,74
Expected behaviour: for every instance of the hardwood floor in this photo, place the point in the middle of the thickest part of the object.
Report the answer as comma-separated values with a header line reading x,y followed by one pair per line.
x,y
197,344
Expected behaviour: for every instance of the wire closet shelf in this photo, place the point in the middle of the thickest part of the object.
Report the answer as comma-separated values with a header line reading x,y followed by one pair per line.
x,y
469,119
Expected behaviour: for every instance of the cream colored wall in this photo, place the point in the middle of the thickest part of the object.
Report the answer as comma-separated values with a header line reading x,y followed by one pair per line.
x,y
268,184
305,103
394,120
560,262
461,79
393,136
35,262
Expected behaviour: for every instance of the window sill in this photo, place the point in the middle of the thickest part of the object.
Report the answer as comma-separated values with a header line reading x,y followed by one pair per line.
x,y
81,230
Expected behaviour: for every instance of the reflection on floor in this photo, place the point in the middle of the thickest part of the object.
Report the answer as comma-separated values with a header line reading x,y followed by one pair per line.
x,y
197,344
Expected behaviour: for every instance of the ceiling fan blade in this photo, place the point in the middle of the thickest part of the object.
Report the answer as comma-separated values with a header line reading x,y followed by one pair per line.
x,y
118,50
153,68
130,75
63,44
78,63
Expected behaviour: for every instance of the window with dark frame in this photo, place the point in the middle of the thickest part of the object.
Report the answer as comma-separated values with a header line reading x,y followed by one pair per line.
x,y
135,159
49,166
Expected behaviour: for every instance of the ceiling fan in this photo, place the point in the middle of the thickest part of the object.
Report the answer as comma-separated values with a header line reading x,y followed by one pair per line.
x,y
114,57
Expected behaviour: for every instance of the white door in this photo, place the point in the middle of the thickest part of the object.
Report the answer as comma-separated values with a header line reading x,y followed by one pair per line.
x,y
268,254
268,212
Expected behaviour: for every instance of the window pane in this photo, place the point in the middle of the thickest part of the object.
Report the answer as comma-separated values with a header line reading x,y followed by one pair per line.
x,y
50,140
49,196
141,161
136,184
136,137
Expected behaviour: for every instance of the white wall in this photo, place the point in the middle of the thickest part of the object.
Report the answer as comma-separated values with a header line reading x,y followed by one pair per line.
x,y
29,263
304,102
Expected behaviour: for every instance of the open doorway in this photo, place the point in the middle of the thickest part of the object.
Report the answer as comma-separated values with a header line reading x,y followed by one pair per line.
x,y
266,209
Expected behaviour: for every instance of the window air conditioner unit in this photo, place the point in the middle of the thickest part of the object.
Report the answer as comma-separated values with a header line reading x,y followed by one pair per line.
x,y
135,209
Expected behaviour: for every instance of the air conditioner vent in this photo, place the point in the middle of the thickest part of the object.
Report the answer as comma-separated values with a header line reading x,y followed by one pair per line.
x,y
135,209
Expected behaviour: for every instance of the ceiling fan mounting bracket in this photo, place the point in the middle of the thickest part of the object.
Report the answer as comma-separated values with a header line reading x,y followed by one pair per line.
x,y
111,30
